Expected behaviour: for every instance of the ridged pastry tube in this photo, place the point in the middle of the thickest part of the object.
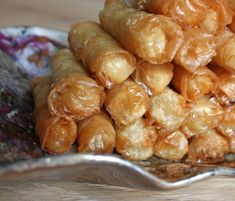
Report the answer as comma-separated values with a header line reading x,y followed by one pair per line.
x,y
227,126
194,85
232,25
96,134
225,51
197,49
64,64
212,16
153,78
107,61
56,134
208,146
225,91
167,110
73,94
126,102
154,38
187,13
206,113
171,146
135,141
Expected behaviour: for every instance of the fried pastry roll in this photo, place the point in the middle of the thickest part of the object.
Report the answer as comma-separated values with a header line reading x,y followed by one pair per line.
x,y
64,65
107,61
153,78
207,14
167,110
227,127
225,51
186,13
136,141
205,113
232,25
154,38
74,93
197,49
194,85
96,134
56,134
126,102
207,146
171,146
231,5
225,91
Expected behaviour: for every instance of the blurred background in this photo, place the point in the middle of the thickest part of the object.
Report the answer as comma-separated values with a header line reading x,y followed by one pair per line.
x,y
58,14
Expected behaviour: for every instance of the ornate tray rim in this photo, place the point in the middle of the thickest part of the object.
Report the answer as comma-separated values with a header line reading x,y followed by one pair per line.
x,y
21,169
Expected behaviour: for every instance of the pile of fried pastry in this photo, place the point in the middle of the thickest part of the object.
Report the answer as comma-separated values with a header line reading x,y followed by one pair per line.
x,y
156,79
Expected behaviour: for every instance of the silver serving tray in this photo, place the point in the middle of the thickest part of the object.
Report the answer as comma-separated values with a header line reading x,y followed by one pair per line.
x,y
153,174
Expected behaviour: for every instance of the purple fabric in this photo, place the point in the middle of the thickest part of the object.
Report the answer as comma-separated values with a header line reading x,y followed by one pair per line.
x,y
22,57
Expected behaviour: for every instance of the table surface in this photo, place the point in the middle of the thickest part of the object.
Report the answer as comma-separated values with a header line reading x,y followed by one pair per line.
x,y
60,14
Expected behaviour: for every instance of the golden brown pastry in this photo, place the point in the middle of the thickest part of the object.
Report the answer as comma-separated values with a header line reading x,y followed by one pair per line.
x,y
209,15
153,78
225,51
227,127
154,38
107,61
56,134
136,141
64,64
171,146
231,4
167,110
126,102
187,13
207,146
96,134
197,49
225,91
232,25
218,15
194,85
74,93
205,113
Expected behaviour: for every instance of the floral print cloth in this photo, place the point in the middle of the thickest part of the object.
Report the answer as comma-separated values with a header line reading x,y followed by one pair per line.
x,y
21,58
